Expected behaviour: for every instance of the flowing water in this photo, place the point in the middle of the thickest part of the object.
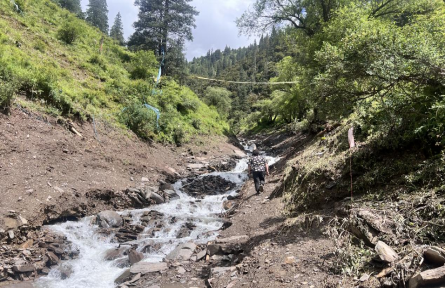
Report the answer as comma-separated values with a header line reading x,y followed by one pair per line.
x,y
91,270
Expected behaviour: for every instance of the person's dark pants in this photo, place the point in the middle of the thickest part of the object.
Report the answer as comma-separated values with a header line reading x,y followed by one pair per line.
x,y
259,179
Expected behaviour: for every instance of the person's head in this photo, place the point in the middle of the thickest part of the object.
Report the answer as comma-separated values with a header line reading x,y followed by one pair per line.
x,y
256,152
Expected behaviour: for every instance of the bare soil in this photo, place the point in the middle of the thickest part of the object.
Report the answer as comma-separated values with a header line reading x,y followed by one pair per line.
x,y
43,164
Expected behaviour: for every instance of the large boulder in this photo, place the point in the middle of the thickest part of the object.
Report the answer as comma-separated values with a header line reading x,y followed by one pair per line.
x,y
429,277
182,252
146,267
108,219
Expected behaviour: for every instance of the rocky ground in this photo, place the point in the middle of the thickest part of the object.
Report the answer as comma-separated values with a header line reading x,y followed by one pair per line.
x,y
257,247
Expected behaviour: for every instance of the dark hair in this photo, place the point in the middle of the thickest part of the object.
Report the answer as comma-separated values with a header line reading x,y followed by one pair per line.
x,y
256,152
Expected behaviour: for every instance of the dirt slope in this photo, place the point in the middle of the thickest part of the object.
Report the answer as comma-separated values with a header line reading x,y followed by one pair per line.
x,y
42,163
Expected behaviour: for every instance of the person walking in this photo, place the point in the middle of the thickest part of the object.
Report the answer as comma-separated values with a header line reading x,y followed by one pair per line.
x,y
258,166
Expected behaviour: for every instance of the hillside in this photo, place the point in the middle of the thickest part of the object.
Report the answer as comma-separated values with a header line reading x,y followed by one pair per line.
x,y
56,63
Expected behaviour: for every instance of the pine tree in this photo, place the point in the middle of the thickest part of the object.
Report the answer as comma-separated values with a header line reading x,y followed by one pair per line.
x,y
117,31
74,6
163,23
97,14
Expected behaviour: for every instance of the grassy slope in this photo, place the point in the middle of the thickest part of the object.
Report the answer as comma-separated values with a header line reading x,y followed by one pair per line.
x,y
76,80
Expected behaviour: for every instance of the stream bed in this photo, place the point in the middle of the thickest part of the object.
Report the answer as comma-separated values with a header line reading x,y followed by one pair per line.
x,y
91,270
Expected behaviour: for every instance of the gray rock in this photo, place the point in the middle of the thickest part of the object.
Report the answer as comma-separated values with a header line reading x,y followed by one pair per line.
x,y
52,258
124,276
385,253
222,270
182,252
107,219
23,268
201,255
65,271
155,197
434,255
171,194
428,277
146,267
242,239
115,253
135,256
214,249
11,234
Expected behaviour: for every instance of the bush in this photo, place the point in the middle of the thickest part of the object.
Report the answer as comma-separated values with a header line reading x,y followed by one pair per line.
x,y
98,60
7,90
69,32
196,123
179,136
142,65
140,120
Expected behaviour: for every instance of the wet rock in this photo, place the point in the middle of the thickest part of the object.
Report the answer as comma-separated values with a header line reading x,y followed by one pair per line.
x,y
228,205
123,277
385,253
155,197
112,254
52,258
186,230
146,267
135,256
107,219
65,271
434,255
207,185
428,277
171,194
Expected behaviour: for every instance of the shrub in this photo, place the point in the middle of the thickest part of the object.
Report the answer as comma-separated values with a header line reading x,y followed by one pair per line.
x,y
69,32
179,136
196,123
139,119
142,65
7,90
98,60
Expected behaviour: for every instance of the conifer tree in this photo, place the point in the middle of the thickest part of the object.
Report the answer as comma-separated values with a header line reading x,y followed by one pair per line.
x,y
117,30
97,14
163,24
74,6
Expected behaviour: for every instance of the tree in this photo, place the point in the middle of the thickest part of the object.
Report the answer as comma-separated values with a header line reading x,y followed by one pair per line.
x,y
220,98
162,23
74,6
97,14
117,31
306,15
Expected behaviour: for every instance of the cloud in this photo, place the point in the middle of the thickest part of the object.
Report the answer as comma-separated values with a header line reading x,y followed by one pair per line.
x,y
215,25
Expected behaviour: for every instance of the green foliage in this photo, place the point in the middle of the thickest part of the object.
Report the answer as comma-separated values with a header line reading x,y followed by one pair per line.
x,y
74,6
142,65
219,98
69,32
140,120
81,80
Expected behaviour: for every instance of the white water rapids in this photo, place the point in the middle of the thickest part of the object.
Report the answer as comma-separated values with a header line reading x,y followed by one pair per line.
x,y
91,270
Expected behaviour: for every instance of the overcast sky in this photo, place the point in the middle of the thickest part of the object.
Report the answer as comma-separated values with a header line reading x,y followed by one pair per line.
x,y
215,24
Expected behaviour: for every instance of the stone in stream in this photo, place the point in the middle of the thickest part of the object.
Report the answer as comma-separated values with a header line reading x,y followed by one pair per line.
x,y
124,276
108,219
52,258
171,194
155,197
115,253
135,256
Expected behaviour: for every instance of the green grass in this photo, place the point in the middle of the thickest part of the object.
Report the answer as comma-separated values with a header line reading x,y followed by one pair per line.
x,y
78,80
